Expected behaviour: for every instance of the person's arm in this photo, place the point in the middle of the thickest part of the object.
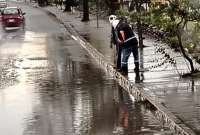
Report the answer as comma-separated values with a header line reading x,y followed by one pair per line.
x,y
117,37
122,34
111,40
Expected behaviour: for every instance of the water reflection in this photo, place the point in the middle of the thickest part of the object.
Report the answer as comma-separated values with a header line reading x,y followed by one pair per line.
x,y
135,118
68,94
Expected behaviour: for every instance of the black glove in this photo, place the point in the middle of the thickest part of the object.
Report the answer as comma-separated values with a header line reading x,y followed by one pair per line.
x,y
111,45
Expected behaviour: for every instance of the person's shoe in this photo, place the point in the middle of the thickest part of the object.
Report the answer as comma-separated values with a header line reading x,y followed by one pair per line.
x,y
136,69
137,78
124,70
124,73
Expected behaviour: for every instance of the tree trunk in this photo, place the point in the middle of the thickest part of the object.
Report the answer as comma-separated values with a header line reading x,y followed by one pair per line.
x,y
183,51
113,5
139,26
121,4
85,10
41,3
67,6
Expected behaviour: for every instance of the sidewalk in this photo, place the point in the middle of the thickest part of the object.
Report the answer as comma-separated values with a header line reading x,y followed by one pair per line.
x,y
160,77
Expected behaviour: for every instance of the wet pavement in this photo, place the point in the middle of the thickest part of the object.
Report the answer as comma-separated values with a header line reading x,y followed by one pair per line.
x,y
160,75
49,85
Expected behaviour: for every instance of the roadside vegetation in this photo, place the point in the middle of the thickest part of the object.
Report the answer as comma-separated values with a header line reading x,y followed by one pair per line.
x,y
180,19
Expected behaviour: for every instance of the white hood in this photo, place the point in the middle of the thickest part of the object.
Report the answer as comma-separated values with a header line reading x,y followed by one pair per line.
x,y
112,18
115,23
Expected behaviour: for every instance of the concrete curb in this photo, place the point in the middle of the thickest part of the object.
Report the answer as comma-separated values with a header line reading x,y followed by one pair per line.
x,y
160,112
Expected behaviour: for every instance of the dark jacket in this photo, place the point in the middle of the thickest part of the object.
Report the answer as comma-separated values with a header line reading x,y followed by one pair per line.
x,y
130,39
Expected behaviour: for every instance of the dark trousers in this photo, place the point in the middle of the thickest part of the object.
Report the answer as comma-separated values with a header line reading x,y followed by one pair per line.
x,y
126,52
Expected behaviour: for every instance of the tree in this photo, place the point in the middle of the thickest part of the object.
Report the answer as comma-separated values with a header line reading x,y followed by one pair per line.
x,y
176,15
85,10
138,12
113,5
68,4
43,3
138,5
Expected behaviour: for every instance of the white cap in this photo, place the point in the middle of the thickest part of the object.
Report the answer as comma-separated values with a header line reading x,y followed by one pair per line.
x,y
115,23
112,18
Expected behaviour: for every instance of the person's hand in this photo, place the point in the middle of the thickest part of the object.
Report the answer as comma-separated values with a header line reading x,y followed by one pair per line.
x,y
111,45
121,43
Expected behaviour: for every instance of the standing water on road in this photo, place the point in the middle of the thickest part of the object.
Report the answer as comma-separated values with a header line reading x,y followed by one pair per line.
x,y
58,89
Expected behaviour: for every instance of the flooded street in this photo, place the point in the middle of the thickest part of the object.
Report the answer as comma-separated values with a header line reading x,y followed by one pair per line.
x,y
51,86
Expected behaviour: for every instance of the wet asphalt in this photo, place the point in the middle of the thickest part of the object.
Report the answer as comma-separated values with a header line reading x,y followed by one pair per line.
x,y
49,85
